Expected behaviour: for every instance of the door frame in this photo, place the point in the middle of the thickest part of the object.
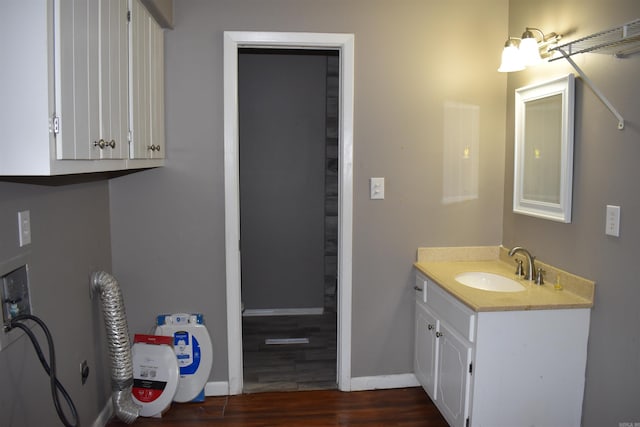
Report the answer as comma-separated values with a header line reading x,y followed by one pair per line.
x,y
234,40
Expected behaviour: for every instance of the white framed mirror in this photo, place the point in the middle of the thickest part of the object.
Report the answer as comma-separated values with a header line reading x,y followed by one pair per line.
x,y
543,169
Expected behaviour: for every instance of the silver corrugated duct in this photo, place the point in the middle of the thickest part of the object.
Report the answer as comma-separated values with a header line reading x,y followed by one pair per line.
x,y
115,322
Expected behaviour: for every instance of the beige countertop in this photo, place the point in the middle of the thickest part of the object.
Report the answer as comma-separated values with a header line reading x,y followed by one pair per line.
x,y
443,264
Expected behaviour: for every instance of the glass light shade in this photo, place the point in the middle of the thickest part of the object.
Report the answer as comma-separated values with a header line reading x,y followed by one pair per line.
x,y
529,51
511,58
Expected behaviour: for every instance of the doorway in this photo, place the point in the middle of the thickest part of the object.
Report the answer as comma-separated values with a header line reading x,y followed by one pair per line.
x,y
288,153
344,43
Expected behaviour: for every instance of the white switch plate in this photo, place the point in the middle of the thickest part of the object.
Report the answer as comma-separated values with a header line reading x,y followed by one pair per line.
x,y
24,228
376,188
613,221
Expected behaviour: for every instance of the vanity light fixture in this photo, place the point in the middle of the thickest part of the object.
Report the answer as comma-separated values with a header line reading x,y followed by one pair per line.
x,y
511,56
519,53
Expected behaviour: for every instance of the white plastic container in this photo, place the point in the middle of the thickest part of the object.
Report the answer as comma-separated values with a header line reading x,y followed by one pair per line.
x,y
155,374
193,351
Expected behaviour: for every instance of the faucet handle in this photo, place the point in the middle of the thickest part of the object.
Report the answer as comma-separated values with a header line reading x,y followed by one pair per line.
x,y
539,276
519,268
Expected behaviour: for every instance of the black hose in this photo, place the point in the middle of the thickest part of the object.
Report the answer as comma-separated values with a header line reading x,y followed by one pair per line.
x,y
50,368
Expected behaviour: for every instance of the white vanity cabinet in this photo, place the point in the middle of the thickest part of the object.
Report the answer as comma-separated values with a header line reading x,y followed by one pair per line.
x,y
146,56
443,351
64,87
499,368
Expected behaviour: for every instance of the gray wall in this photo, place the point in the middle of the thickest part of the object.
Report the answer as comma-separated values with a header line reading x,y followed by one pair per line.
x,y
167,225
282,101
410,58
70,239
605,172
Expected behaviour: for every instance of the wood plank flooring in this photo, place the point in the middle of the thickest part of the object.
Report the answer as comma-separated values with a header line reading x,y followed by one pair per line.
x,y
396,407
289,367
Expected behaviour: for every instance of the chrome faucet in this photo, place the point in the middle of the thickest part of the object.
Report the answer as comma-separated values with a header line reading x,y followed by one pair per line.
x,y
531,268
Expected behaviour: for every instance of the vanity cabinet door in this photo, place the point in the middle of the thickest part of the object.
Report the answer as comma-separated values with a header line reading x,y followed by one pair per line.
x,y
453,375
426,354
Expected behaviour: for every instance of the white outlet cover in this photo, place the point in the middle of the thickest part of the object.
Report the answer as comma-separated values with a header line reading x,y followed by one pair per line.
x,y
24,228
613,221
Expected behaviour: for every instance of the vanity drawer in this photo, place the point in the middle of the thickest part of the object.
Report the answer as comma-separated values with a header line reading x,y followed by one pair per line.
x,y
420,288
450,310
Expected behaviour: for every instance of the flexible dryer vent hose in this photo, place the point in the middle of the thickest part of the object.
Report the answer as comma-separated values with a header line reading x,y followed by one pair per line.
x,y
115,322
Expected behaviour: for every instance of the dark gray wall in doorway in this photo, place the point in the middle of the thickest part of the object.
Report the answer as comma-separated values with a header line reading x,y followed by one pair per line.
x,y
282,105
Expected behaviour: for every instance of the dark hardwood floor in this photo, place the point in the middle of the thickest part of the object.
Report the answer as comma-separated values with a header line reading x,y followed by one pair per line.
x,y
396,407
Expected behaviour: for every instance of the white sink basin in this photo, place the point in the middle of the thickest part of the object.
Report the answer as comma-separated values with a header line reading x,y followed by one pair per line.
x,y
489,282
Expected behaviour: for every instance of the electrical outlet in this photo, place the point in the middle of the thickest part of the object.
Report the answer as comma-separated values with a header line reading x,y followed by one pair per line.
x,y
84,372
613,221
15,294
24,228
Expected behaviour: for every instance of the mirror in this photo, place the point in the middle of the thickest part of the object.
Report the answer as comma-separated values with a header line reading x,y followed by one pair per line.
x,y
543,169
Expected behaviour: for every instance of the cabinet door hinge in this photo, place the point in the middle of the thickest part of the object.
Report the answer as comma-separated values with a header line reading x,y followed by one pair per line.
x,y
471,368
54,125
128,15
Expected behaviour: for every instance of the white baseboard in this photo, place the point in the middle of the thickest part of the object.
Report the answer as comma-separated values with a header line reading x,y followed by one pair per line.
x,y
250,312
384,382
378,382
216,388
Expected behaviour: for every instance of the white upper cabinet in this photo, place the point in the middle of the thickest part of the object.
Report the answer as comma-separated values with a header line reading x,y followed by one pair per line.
x,y
114,79
146,58
64,88
91,79
76,79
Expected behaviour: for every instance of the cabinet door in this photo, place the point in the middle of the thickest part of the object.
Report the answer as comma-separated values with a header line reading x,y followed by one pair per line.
x,y
454,360
156,83
91,66
147,85
77,85
114,92
425,353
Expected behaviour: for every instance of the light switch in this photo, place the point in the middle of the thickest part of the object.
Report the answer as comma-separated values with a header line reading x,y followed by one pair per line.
x,y
376,188
24,228
613,221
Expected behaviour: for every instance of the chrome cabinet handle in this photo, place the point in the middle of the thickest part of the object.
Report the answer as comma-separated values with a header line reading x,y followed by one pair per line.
x,y
429,327
153,147
438,334
417,288
102,144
